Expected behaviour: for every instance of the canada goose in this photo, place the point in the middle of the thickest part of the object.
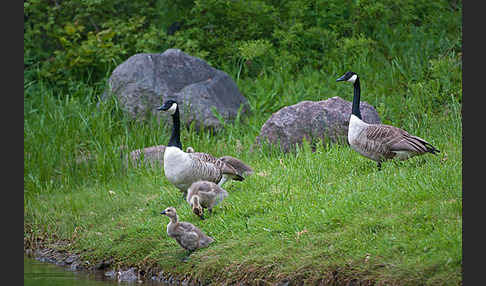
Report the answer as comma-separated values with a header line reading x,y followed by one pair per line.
x,y
183,168
186,234
380,142
204,194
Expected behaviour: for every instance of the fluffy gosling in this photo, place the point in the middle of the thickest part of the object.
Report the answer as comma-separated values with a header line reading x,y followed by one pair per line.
x,y
186,234
204,194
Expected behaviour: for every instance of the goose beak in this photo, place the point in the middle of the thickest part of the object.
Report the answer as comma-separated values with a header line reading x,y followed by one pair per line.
x,y
341,78
163,212
165,106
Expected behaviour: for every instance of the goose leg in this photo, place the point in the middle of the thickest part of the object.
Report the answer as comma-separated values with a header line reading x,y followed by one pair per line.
x,y
223,180
186,258
379,166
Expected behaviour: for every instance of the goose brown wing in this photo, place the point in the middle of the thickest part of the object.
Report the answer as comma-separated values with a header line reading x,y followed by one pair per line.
x,y
395,139
408,143
205,158
204,167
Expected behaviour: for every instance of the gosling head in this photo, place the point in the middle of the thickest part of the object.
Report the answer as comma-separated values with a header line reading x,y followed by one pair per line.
x,y
170,212
169,106
349,76
189,150
196,207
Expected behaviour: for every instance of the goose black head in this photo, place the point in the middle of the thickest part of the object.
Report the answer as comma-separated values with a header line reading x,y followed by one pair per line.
x,y
349,76
170,106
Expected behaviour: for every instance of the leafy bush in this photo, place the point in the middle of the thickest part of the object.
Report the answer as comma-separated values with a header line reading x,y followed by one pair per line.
x,y
254,55
84,40
71,40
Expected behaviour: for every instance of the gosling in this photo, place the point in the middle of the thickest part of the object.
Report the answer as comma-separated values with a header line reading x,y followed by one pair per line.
x,y
186,234
204,194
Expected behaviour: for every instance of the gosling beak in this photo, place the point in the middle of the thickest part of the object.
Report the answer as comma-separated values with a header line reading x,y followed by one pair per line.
x,y
163,212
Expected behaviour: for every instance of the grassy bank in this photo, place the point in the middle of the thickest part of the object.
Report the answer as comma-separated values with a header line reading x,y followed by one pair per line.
x,y
304,214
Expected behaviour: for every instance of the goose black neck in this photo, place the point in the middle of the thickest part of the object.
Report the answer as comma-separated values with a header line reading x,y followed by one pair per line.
x,y
356,99
175,138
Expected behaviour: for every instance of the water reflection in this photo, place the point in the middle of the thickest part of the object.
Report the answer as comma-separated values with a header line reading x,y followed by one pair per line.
x,y
38,273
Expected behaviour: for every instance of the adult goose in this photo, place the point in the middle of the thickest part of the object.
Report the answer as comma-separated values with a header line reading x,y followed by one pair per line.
x,y
183,168
186,234
204,195
380,142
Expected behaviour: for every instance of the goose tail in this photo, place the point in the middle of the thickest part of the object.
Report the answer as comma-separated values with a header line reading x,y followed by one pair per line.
x,y
424,145
241,168
238,178
431,149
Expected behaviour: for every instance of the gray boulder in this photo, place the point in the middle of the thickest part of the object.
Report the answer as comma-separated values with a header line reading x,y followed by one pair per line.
x,y
144,81
312,120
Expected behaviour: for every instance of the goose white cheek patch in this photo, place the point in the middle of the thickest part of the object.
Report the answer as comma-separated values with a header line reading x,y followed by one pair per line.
x,y
353,78
173,108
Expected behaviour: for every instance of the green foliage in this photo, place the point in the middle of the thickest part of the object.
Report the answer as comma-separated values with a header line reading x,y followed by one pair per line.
x,y
356,48
71,41
84,40
254,56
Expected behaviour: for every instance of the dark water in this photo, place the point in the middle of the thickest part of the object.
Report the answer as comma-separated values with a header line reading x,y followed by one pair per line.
x,y
38,273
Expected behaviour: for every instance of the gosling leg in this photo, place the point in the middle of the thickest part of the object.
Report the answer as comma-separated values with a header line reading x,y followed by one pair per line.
x,y
186,258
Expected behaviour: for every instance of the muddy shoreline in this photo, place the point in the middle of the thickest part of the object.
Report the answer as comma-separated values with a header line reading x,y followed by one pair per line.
x,y
106,267
110,271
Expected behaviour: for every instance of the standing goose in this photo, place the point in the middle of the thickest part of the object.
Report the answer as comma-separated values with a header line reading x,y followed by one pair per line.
x,y
380,142
186,234
183,168
204,194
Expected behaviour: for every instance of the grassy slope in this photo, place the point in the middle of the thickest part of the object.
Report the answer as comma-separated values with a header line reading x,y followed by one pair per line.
x,y
302,214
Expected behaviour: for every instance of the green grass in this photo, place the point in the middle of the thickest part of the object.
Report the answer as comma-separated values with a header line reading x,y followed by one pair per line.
x,y
303,214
